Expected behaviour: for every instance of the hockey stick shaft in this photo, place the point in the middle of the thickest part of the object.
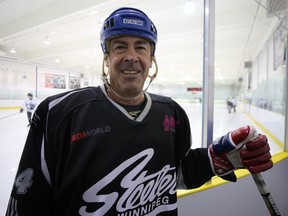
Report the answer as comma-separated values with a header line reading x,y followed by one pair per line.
x,y
9,115
261,185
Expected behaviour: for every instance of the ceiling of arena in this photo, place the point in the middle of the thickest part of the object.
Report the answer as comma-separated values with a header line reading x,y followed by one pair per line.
x,y
72,28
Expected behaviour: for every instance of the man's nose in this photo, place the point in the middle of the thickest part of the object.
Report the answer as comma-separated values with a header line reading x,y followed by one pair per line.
x,y
131,55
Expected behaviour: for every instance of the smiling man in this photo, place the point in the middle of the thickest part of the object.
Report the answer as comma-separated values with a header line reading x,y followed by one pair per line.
x,y
129,60
116,149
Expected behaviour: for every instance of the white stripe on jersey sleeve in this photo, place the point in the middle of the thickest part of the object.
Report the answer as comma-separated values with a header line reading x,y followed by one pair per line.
x,y
12,208
44,166
53,103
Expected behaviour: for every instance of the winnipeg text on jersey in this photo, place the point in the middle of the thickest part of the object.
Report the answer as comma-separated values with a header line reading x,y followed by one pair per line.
x,y
144,194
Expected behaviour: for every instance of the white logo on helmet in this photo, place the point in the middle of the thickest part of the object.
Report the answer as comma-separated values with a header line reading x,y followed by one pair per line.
x,y
133,22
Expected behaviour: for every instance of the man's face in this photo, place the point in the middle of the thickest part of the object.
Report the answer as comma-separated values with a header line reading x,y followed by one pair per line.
x,y
128,63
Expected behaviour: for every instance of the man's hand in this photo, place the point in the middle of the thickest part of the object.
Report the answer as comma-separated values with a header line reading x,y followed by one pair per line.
x,y
21,110
242,148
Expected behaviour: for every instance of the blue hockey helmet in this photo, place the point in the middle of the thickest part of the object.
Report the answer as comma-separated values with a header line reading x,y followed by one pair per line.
x,y
131,22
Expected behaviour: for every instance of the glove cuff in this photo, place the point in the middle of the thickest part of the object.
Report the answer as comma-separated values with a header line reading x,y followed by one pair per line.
x,y
223,144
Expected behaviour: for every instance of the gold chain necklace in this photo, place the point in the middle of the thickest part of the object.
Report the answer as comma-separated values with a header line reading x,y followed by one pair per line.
x,y
135,113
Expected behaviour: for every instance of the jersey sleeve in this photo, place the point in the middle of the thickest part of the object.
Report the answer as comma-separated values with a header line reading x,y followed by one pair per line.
x,y
31,193
194,166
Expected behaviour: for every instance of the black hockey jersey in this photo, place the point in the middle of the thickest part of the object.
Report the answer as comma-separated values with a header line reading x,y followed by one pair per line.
x,y
85,155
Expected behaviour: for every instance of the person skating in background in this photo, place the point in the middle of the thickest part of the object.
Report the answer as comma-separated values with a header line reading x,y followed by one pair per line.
x,y
234,104
229,104
30,106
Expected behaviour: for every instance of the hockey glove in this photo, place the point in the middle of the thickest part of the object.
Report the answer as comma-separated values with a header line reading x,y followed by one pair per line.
x,y
241,148
21,110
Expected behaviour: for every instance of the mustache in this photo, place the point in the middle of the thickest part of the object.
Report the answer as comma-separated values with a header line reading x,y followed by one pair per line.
x,y
130,66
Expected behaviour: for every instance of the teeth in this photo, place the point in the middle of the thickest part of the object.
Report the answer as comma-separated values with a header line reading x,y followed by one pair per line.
x,y
130,72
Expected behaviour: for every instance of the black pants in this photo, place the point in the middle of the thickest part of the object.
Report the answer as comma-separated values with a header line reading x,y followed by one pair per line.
x,y
29,115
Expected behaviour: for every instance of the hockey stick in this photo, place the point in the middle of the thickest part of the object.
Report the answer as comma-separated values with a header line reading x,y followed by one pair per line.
x,y
258,179
9,115
261,185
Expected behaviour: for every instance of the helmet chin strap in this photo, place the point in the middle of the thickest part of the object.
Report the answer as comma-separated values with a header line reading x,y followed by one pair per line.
x,y
152,77
104,77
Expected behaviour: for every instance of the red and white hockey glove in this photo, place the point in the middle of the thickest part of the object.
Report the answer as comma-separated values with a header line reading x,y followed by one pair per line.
x,y
241,148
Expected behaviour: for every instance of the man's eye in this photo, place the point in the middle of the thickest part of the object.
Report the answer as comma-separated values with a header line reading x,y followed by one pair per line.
x,y
120,47
143,48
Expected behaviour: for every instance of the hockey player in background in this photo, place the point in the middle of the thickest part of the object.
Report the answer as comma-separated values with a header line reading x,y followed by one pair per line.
x,y
116,149
30,106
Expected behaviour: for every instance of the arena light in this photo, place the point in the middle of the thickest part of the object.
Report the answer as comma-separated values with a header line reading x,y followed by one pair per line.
x,y
13,50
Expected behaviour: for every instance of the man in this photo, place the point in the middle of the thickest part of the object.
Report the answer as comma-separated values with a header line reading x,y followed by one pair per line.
x,y
234,103
229,104
116,149
30,105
